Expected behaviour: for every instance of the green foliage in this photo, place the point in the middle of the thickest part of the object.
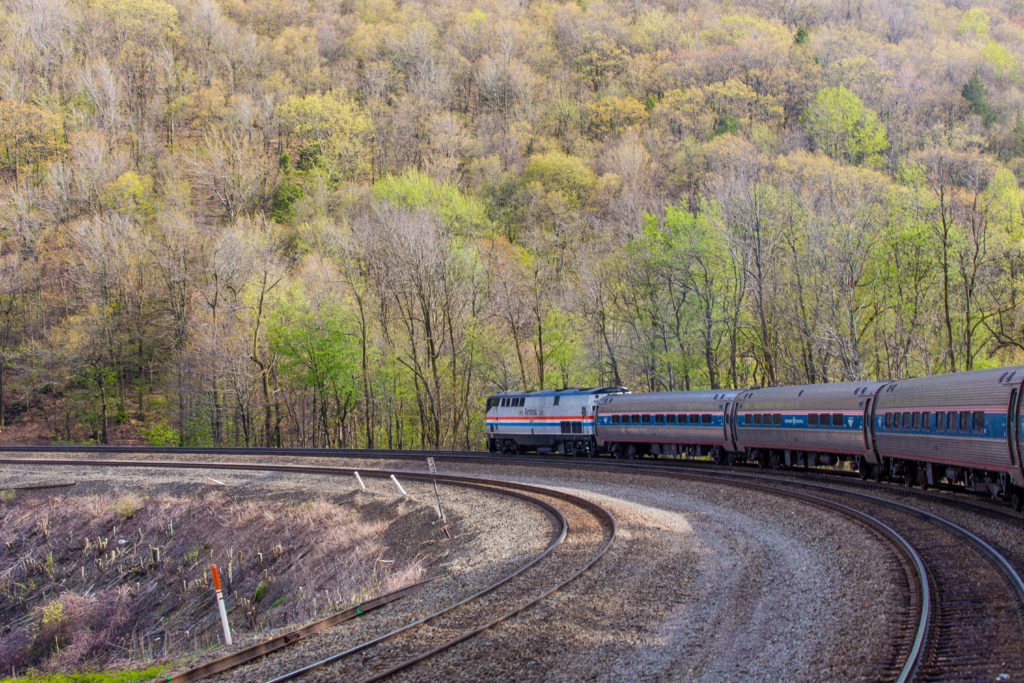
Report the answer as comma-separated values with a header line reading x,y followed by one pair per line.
x,y
126,676
261,589
801,36
160,434
53,613
610,114
844,128
1007,68
132,194
149,22
975,93
561,173
282,202
126,506
334,128
727,123
415,190
973,23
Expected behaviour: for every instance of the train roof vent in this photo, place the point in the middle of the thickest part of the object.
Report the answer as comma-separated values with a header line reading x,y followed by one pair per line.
x,y
801,393
1010,376
1002,377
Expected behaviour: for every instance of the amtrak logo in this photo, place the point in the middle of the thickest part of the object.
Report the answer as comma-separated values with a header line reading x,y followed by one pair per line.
x,y
849,421
791,420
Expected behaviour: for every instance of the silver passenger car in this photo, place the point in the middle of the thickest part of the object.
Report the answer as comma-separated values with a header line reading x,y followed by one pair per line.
x,y
963,426
692,422
809,424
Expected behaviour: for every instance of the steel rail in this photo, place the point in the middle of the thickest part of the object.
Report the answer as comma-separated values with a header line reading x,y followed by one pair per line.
x,y
505,488
905,547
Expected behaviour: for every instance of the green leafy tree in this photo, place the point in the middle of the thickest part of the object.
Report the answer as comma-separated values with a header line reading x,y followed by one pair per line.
x,y
977,96
334,128
318,349
844,128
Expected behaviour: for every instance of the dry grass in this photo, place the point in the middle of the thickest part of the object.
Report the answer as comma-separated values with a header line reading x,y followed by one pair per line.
x,y
95,582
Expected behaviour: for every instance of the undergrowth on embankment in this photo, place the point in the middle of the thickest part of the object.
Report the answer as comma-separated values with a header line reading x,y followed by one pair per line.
x,y
115,582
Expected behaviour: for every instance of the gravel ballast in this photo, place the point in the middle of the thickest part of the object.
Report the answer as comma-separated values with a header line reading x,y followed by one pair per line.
x,y
704,582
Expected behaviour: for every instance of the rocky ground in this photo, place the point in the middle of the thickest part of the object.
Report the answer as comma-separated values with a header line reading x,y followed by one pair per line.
x,y
704,582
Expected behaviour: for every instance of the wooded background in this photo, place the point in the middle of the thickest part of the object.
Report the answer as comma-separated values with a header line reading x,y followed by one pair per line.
x,y
345,222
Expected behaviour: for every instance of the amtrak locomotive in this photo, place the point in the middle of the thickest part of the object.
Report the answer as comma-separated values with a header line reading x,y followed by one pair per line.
x,y
962,428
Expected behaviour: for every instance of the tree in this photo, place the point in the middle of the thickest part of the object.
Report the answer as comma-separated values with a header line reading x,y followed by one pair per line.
x,y
333,128
976,95
844,128
28,134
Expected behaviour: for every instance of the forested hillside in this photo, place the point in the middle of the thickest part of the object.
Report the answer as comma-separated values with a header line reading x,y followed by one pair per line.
x,y
345,222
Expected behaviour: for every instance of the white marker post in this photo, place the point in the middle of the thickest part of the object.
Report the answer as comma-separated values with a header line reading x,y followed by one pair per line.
x,y
399,486
360,480
220,604
437,496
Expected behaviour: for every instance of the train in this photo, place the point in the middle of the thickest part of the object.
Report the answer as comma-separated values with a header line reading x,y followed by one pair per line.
x,y
961,428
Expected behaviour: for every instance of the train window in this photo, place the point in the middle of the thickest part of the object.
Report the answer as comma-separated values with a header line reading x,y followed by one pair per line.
x,y
965,421
777,419
490,403
645,419
757,419
748,419
812,420
682,419
705,419
694,418
522,402
565,426
659,419
906,420
888,420
926,421
615,419
634,419
577,427
951,421
916,421
503,404
824,419
556,400
670,419
837,419
979,422
940,419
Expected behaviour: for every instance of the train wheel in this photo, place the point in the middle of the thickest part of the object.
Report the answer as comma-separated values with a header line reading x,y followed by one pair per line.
x,y
630,452
510,447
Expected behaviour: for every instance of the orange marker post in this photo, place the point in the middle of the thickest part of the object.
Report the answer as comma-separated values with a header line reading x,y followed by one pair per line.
x,y
220,604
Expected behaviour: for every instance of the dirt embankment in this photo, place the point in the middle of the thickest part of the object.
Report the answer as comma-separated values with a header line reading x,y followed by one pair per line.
x,y
91,580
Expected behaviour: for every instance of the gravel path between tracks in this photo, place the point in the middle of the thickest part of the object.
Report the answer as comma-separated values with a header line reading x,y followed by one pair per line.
x,y
705,582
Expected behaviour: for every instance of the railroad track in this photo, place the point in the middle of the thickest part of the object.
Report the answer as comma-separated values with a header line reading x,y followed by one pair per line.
x,y
963,598
976,631
583,532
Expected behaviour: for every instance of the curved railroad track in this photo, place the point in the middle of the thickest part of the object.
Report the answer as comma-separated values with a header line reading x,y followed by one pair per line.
x,y
963,598
583,532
